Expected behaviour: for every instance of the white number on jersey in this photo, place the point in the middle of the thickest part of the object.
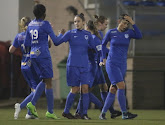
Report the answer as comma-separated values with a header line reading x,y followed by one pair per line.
x,y
34,34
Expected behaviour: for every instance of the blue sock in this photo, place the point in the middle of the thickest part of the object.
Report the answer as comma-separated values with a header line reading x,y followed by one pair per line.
x,y
28,112
78,106
69,102
103,96
39,90
122,99
26,100
95,100
50,99
108,102
85,102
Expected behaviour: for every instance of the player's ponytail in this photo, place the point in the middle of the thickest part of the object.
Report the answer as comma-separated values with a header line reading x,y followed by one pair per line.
x,y
81,15
24,23
91,26
100,19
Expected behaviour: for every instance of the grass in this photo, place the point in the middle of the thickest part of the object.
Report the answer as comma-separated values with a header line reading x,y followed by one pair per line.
x,y
145,117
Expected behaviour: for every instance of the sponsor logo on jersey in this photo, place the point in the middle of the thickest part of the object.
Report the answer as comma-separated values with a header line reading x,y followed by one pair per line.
x,y
75,36
21,37
35,41
99,47
113,31
73,31
28,63
23,63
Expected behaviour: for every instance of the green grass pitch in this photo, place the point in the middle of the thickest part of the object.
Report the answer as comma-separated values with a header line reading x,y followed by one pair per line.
x,y
145,117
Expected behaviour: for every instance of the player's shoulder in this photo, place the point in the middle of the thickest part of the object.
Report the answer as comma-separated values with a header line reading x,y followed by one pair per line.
x,y
46,22
72,31
112,31
87,32
94,36
21,34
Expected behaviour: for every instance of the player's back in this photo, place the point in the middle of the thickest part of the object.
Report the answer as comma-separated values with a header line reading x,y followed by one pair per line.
x,y
39,30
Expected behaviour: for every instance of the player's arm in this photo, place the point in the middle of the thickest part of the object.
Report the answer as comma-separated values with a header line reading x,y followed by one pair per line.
x,y
14,46
92,44
12,49
104,44
136,32
64,38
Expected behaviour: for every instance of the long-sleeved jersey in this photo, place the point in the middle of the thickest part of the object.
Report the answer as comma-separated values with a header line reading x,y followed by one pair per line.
x,y
18,43
119,43
37,38
79,41
95,55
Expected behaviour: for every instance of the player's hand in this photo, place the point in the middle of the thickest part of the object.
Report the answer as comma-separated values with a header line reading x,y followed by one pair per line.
x,y
62,31
49,42
104,62
101,64
129,19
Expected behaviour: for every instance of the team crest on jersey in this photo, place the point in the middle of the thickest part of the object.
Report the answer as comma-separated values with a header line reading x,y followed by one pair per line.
x,y
86,37
126,35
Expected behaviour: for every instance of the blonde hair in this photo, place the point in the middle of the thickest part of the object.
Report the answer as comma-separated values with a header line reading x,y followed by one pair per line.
x,y
24,23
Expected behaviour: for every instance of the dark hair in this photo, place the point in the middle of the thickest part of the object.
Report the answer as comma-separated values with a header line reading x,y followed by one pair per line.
x,y
90,24
39,11
100,19
121,17
72,9
81,15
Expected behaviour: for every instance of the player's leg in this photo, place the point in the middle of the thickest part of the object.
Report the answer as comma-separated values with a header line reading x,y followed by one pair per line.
x,y
69,102
73,81
114,75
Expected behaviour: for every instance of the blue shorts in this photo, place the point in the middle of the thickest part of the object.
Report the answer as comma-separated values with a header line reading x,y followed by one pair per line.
x,y
92,72
116,72
44,65
30,75
77,76
99,77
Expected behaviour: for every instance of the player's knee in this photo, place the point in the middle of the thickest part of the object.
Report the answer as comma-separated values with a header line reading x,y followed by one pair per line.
x,y
75,90
121,85
84,88
48,83
103,87
113,89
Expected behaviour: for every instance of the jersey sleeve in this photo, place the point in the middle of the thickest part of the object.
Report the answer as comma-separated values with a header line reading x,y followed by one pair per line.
x,y
136,34
65,37
49,30
15,42
92,44
106,39
27,41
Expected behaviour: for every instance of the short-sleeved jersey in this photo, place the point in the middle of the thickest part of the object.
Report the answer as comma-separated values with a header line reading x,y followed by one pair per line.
x,y
37,37
18,43
79,41
119,43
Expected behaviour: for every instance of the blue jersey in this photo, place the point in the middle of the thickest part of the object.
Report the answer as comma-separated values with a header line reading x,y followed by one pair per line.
x,y
119,43
101,34
79,41
18,43
107,50
37,37
95,56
